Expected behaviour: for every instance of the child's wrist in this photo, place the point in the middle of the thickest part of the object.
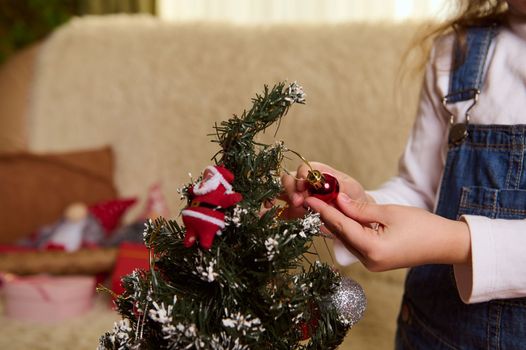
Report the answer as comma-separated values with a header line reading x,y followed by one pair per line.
x,y
462,251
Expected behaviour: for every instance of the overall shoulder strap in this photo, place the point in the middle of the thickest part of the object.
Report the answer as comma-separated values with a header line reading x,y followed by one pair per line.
x,y
467,77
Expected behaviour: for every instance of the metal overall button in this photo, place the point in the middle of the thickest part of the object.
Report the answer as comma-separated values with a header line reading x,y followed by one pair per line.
x,y
457,134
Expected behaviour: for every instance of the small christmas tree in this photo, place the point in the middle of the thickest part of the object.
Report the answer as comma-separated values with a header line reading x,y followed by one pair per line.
x,y
235,277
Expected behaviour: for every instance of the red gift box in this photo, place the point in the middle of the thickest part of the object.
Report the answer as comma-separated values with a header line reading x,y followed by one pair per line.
x,y
131,256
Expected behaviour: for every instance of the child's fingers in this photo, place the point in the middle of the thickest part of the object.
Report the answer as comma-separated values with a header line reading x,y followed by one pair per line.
x,y
350,232
289,185
301,175
361,211
269,203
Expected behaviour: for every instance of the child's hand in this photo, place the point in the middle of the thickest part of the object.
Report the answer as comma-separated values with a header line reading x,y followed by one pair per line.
x,y
295,189
387,237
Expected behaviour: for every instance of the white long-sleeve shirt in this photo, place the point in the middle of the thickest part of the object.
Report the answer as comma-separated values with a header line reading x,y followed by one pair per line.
x,y
498,247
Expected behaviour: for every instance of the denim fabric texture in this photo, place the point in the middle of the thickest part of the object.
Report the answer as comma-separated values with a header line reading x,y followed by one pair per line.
x,y
483,175
468,75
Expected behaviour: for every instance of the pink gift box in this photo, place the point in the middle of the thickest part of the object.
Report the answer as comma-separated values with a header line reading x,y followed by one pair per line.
x,y
47,299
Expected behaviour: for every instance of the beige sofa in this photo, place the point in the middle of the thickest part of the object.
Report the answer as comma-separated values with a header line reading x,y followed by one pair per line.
x,y
153,90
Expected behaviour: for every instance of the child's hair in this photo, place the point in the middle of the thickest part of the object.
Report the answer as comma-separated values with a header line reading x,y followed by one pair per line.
x,y
477,12
466,13
473,13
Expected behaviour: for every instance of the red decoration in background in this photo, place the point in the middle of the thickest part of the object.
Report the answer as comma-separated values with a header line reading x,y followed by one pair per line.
x,y
325,187
304,331
307,328
131,256
155,203
109,213
204,218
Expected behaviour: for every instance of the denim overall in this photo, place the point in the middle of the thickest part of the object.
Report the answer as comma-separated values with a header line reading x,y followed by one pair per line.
x,y
483,175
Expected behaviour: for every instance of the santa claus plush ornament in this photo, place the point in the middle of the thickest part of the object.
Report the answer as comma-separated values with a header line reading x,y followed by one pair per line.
x,y
204,217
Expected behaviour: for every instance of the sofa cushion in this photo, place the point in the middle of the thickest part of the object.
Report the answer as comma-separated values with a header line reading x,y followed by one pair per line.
x,y
36,188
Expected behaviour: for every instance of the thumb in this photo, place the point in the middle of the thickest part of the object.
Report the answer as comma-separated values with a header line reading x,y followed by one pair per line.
x,y
361,211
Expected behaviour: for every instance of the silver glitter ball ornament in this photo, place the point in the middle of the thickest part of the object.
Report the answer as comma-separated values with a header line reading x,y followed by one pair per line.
x,y
350,301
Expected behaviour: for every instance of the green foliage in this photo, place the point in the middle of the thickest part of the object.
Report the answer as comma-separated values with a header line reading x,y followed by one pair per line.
x,y
24,22
255,166
253,288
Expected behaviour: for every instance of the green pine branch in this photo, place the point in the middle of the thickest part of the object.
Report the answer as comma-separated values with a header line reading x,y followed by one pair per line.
x,y
253,288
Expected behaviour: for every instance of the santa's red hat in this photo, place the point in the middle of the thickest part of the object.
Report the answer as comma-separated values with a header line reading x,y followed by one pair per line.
x,y
225,173
214,175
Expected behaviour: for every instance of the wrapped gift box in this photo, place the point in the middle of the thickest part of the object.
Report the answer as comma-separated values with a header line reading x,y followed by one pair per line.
x,y
47,299
131,256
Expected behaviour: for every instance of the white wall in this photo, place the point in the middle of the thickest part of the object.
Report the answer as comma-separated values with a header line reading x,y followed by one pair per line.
x,y
311,11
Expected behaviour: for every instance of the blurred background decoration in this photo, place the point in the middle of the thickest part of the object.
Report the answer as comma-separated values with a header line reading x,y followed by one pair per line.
x,y
27,21
24,22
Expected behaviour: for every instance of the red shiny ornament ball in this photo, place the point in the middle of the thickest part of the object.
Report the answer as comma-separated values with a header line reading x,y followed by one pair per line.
x,y
326,188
